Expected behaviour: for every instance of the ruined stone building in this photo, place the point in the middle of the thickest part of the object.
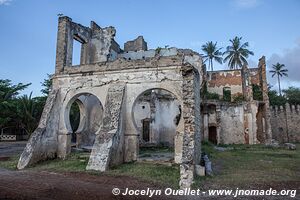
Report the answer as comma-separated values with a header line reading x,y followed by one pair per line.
x,y
137,97
235,106
126,97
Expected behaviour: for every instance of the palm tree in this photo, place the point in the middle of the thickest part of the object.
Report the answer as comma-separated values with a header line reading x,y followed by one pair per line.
x,y
27,113
212,53
278,69
237,53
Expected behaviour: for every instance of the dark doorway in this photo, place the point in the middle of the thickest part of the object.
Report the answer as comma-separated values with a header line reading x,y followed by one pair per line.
x,y
146,129
74,120
212,134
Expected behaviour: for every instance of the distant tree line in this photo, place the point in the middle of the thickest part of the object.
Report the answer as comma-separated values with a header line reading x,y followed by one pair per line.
x,y
21,113
290,95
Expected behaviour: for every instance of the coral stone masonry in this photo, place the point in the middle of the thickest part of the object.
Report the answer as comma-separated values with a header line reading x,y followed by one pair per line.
x,y
134,97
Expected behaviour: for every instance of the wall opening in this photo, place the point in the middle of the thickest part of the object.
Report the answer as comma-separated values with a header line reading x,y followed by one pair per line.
x,y
227,94
84,117
146,130
74,119
76,54
212,134
260,134
156,114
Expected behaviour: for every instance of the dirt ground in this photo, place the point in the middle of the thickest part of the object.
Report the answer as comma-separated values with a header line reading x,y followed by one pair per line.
x,y
43,185
34,184
76,186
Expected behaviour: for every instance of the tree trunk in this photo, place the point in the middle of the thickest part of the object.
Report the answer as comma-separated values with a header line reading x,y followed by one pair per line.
x,y
279,84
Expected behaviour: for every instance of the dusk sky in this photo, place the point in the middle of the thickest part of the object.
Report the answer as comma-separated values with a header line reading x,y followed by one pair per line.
x,y
29,28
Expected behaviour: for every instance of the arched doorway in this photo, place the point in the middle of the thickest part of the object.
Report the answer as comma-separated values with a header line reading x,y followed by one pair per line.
x,y
156,114
83,119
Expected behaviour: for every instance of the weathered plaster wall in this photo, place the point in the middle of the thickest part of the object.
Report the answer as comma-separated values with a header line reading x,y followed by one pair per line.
x,y
232,125
285,123
216,81
254,76
162,120
235,122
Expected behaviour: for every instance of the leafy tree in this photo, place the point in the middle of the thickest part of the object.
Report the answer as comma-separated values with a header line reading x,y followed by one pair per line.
x,y
8,101
46,84
237,53
275,99
292,95
212,52
278,69
28,113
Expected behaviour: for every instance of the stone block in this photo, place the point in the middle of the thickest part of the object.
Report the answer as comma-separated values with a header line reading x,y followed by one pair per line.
x,y
200,170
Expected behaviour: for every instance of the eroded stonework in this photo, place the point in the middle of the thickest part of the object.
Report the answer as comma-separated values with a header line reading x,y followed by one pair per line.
x,y
115,79
121,110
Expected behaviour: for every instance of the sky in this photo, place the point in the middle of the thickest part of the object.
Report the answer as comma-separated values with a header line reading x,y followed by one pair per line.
x,y
28,30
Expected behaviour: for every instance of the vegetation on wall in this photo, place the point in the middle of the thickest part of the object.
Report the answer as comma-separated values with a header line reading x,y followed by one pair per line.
x,y
257,92
208,95
238,98
226,95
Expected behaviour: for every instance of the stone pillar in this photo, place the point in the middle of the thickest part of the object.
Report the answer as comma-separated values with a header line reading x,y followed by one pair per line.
x,y
246,84
191,115
64,44
266,110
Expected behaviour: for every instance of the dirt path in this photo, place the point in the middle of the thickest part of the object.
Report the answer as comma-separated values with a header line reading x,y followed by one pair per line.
x,y
47,185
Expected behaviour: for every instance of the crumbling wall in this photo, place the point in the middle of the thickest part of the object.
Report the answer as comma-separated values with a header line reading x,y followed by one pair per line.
x,y
285,121
105,73
254,76
137,44
232,124
267,135
42,143
217,80
97,44
191,115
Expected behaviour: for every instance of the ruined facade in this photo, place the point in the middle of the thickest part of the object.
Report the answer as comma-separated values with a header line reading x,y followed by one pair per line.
x,y
134,97
107,86
235,106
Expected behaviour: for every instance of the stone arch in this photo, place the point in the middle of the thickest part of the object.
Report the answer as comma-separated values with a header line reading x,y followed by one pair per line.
x,y
91,113
150,89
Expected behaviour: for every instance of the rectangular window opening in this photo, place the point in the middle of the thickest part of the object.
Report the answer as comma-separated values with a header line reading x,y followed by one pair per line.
x,y
76,54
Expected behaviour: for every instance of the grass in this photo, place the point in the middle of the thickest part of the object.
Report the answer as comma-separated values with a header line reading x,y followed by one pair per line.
x,y
159,174
242,166
246,165
11,163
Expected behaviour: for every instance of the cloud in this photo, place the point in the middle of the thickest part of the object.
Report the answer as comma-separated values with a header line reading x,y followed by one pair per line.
x,y
246,4
291,59
5,2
